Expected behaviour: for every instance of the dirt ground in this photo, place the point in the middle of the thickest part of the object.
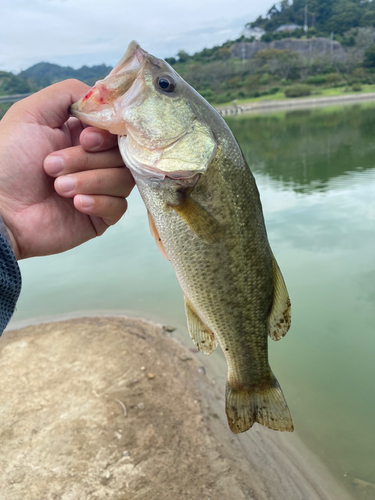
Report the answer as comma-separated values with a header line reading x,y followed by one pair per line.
x,y
97,408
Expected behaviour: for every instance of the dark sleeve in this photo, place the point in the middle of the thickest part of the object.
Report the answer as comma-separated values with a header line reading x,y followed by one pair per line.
x,y
10,281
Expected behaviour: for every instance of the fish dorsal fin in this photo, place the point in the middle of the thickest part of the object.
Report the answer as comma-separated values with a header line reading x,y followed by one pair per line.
x,y
199,220
280,316
202,337
155,234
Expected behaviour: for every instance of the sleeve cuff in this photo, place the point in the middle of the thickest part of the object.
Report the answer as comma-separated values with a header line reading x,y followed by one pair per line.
x,y
10,281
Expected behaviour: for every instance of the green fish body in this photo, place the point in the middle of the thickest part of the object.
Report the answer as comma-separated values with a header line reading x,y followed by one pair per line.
x,y
206,217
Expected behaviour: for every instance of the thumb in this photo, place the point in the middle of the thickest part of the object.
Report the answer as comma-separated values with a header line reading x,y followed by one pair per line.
x,y
50,106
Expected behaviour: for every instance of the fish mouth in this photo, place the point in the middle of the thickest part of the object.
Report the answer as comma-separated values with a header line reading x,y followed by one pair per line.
x,y
98,106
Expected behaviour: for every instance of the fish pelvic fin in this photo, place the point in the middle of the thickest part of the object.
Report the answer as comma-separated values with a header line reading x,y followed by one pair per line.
x,y
155,234
265,405
280,317
202,337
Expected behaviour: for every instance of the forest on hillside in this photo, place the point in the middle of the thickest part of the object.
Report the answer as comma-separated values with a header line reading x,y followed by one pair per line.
x,y
322,16
336,49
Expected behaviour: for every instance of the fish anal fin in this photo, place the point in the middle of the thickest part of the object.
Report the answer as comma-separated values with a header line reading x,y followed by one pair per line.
x,y
155,234
265,405
279,319
203,225
202,337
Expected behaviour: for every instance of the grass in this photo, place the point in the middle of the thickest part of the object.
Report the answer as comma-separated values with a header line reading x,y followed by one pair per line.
x,y
322,92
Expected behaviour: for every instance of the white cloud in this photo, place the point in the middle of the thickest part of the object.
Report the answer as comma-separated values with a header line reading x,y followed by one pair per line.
x,y
90,32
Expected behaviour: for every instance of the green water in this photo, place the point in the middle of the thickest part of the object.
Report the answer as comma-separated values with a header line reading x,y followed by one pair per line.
x,y
316,174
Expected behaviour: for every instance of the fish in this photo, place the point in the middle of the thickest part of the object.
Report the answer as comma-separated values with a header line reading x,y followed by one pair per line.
x,y
206,216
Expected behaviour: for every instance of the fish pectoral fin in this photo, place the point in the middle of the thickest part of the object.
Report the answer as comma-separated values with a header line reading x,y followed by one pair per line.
x,y
155,234
203,338
264,404
279,318
199,220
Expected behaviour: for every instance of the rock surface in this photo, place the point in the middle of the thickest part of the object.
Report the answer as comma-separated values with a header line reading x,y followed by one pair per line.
x,y
97,408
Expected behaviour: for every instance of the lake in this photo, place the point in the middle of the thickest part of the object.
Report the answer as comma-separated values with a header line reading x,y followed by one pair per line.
x,y
316,174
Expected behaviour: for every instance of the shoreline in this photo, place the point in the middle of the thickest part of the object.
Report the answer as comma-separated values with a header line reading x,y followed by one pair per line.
x,y
259,464
292,104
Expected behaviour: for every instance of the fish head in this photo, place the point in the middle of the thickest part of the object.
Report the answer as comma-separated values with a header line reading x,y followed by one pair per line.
x,y
145,101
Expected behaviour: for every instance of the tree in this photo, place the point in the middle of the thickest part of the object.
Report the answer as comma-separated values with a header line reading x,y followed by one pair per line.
x,y
326,15
369,60
183,56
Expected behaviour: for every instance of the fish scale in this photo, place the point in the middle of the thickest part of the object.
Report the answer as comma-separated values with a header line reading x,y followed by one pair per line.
x,y
206,217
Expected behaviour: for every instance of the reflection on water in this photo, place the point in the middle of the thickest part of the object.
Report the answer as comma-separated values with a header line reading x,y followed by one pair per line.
x,y
316,174
307,149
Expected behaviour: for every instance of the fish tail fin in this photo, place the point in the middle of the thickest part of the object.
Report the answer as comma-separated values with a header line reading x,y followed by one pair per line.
x,y
265,405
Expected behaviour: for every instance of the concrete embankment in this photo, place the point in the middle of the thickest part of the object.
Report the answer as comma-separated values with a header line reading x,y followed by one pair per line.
x,y
269,106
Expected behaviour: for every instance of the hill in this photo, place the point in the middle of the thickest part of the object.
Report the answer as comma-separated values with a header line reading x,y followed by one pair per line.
x,y
44,74
282,63
12,84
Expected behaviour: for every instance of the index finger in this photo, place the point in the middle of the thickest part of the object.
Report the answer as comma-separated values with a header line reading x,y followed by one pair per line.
x,y
94,139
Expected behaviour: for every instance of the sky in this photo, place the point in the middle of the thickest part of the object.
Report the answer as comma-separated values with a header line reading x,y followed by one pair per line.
x,y
78,32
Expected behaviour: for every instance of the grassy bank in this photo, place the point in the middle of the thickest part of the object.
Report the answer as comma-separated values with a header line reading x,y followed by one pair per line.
x,y
327,92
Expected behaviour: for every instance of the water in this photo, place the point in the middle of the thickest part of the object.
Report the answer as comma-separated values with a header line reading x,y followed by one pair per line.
x,y
316,174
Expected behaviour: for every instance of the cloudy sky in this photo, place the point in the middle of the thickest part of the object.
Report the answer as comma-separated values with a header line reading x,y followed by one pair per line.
x,y
77,32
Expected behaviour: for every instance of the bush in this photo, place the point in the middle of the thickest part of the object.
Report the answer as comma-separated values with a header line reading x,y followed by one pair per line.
x,y
359,73
171,60
264,79
223,53
297,90
333,78
207,93
357,87
316,80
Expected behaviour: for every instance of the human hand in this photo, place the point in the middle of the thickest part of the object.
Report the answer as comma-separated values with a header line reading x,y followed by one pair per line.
x,y
41,214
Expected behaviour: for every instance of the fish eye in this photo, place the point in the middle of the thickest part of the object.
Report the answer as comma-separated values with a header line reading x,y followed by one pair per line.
x,y
166,83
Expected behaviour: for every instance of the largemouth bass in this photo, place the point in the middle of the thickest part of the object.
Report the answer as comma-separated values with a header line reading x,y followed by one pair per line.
x,y
206,217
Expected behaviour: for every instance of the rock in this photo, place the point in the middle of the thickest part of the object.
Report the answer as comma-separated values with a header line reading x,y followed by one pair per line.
x,y
312,47
169,328
366,489
183,357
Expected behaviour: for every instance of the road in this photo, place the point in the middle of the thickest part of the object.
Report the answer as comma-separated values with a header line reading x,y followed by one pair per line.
x,y
12,98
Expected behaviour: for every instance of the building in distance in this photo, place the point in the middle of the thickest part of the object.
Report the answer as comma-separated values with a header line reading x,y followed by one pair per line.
x,y
288,27
256,32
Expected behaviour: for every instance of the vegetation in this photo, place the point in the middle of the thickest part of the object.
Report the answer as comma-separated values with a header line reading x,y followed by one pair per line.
x,y
12,84
221,77
323,16
244,69
298,90
44,74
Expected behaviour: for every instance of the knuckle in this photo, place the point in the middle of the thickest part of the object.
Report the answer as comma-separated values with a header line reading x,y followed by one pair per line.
x,y
83,161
